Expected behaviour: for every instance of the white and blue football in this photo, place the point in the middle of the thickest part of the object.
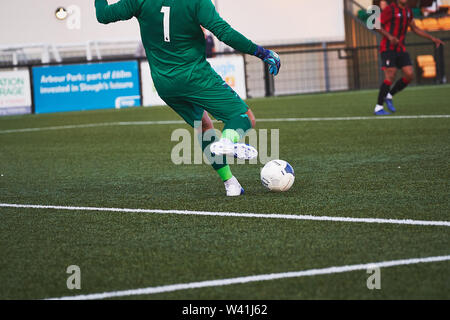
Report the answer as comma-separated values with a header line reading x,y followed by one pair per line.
x,y
277,176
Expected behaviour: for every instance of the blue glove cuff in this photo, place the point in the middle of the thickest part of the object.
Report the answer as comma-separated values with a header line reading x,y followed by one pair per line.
x,y
269,57
261,52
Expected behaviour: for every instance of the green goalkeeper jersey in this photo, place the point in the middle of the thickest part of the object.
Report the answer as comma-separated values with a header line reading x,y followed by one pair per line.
x,y
174,41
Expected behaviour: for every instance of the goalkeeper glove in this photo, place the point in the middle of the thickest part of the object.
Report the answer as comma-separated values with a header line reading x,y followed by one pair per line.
x,y
269,57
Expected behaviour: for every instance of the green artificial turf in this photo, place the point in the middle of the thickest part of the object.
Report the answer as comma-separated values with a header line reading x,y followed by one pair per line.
x,y
394,169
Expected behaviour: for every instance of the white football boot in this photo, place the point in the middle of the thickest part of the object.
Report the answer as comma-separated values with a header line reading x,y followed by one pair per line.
x,y
238,150
233,187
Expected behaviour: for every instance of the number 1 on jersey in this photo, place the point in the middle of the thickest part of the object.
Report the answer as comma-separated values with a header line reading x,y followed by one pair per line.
x,y
166,11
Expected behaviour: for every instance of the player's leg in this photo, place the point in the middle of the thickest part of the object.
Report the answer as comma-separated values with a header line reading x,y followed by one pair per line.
x,y
252,118
236,127
207,135
193,115
219,163
389,76
225,105
388,59
388,98
405,64
408,76
197,118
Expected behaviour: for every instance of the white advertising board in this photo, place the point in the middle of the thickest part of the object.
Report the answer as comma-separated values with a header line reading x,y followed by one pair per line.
x,y
15,92
230,68
149,95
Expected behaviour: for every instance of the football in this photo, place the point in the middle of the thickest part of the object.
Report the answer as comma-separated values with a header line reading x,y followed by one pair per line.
x,y
277,176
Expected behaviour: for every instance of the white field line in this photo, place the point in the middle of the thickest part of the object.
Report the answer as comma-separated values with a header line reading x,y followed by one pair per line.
x,y
353,118
149,123
236,215
254,278
94,125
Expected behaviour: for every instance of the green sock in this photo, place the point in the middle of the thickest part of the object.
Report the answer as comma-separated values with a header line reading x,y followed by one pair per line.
x,y
236,128
232,135
225,173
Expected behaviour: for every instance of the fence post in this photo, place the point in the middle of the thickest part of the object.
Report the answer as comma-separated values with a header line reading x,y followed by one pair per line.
x,y
15,59
88,51
269,82
326,67
356,75
246,76
33,103
440,64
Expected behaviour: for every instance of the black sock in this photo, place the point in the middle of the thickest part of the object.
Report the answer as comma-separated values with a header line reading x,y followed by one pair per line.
x,y
384,90
399,85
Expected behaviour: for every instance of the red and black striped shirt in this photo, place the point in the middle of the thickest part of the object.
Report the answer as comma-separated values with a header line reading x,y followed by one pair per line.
x,y
395,20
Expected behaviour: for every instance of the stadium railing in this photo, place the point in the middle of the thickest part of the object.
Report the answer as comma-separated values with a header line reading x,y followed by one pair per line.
x,y
306,68
336,68
47,53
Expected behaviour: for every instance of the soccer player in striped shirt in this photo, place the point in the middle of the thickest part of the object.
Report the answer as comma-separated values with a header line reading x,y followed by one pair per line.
x,y
395,20
175,46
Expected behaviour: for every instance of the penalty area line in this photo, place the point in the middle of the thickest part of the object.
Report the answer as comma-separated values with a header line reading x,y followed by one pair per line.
x,y
254,278
236,215
172,122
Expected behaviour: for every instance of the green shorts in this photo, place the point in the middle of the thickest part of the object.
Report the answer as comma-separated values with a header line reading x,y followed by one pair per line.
x,y
221,101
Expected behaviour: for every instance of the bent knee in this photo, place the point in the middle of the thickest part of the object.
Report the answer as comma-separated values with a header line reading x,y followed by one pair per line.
x,y
390,78
251,117
206,123
409,77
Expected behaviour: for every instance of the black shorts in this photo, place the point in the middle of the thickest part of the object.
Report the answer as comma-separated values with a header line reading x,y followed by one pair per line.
x,y
394,59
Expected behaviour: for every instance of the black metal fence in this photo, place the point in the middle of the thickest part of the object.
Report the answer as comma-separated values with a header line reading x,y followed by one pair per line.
x,y
336,69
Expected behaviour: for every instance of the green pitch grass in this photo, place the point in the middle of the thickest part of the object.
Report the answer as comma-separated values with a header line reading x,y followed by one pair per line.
x,y
394,169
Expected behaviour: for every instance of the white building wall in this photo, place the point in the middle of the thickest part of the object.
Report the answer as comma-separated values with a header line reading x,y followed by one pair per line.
x,y
34,21
264,21
286,21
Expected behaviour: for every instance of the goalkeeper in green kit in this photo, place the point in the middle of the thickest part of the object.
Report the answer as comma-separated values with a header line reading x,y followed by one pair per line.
x,y
175,46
